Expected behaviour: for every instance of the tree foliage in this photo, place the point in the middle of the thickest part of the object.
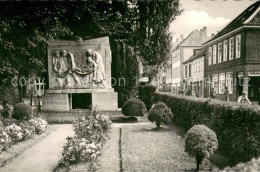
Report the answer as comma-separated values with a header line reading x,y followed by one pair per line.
x,y
26,27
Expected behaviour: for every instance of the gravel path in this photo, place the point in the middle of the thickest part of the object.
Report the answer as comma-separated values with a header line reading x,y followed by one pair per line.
x,y
44,155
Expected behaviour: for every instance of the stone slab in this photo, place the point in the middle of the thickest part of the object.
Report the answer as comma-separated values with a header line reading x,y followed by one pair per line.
x,y
78,49
105,100
55,102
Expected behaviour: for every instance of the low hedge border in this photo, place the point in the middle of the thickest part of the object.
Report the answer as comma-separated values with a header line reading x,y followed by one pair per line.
x,y
237,125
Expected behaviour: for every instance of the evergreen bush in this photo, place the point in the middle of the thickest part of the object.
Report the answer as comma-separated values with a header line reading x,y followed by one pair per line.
x,y
134,107
160,113
22,111
200,142
145,93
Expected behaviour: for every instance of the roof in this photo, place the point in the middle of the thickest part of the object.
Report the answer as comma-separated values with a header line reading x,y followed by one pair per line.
x,y
198,55
195,38
248,17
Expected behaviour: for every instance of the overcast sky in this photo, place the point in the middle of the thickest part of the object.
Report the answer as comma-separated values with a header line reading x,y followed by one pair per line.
x,y
215,14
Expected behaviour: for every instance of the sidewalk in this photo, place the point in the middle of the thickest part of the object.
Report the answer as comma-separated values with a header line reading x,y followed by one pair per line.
x,y
44,155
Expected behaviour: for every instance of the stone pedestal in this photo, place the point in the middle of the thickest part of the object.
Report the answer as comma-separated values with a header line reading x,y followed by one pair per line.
x,y
105,101
55,102
60,100
68,62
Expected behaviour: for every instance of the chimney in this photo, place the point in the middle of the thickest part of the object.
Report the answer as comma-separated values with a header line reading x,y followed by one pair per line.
x,y
181,36
213,34
204,30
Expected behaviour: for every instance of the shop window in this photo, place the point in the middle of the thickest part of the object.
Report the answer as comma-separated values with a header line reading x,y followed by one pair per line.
x,y
225,50
222,83
215,82
238,46
231,48
214,54
209,55
229,82
220,52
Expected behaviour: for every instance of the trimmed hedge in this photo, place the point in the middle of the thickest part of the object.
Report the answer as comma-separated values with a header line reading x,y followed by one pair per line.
x,y
145,93
237,125
134,107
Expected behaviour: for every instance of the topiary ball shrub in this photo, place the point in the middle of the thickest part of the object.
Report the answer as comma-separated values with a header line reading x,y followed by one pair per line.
x,y
160,113
134,107
22,111
200,142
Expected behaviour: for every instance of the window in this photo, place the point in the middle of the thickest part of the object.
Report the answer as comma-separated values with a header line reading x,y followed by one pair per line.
x,y
238,46
222,83
196,67
214,54
225,51
186,71
215,82
230,82
231,48
199,67
220,52
189,70
210,55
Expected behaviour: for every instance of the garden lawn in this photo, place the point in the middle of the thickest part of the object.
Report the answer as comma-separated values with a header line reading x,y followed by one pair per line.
x,y
146,149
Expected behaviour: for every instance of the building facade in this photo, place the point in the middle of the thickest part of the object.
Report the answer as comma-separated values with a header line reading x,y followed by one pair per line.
x,y
182,51
233,57
194,73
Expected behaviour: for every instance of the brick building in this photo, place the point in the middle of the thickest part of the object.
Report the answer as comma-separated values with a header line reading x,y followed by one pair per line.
x,y
233,57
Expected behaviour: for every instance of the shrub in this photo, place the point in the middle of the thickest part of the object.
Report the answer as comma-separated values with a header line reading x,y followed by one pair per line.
x,y
93,126
79,150
7,111
134,107
28,129
39,124
5,141
15,132
200,142
90,136
145,93
251,166
160,113
236,125
1,125
8,94
22,111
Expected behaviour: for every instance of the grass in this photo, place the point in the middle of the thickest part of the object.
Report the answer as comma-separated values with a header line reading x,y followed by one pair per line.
x,y
146,149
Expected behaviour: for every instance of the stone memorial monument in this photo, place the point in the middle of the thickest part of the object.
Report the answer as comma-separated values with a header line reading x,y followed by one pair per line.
x,y
79,76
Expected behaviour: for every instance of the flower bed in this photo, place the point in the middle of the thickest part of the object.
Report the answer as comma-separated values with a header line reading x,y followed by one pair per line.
x,y
12,134
91,133
237,126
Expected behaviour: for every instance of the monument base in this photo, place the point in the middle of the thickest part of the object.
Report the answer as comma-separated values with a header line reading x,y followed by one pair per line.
x,y
65,100
54,117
